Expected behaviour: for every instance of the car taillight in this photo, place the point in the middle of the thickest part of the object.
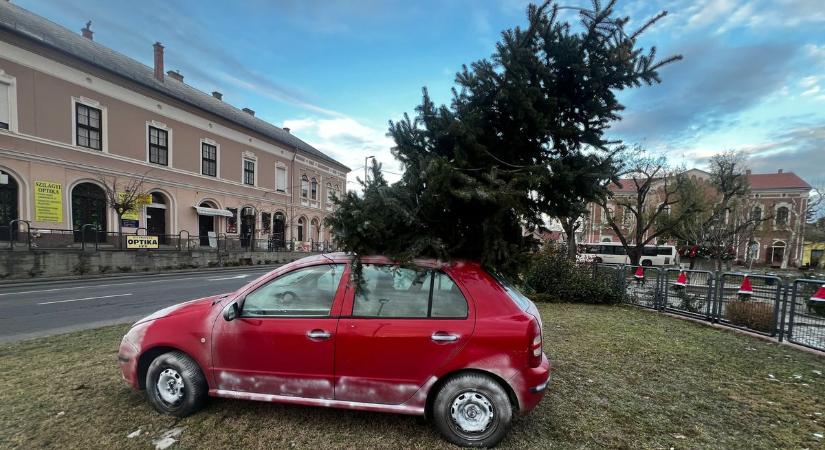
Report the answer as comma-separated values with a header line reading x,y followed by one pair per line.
x,y
534,347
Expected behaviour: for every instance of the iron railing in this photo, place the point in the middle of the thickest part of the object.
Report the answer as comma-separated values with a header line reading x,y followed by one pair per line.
x,y
19,235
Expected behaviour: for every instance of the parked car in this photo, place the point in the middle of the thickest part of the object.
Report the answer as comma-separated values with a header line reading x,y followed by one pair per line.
x,y
450,341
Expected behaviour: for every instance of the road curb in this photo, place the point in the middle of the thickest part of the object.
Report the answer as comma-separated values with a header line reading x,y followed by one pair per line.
x,y
41,281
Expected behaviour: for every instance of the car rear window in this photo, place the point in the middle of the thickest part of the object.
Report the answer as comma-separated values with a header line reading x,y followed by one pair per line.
x,y
515,295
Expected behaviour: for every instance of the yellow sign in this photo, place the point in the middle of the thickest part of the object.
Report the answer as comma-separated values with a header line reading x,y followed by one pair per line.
x,y
135,242
48,201
141,200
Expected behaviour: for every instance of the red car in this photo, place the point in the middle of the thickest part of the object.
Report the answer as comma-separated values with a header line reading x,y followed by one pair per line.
x,y
445,340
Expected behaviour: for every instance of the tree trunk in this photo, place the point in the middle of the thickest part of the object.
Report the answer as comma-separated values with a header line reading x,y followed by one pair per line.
x,y
635,255
570,232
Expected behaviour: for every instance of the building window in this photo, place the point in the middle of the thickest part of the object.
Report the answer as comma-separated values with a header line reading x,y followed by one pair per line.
x,y
266,222
88,127
756,214
249,172
232,222
158,146
330,193
6,94
301,225
304,186
209,159
314,189
782,216
280,179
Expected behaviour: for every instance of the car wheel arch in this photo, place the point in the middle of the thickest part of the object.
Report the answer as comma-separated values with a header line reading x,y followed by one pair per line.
x,y
433,393
146,358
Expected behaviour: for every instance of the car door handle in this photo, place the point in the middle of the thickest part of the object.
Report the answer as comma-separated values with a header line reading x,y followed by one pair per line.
x,y
319,334
441,336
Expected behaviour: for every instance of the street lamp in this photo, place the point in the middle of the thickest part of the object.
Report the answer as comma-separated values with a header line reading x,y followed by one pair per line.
x,y
366,168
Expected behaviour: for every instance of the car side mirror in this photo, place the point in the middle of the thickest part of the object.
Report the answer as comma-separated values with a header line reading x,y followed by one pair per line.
x,y
232,312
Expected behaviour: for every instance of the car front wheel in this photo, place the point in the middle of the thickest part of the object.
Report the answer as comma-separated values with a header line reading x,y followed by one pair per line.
x,y
175,384
472,410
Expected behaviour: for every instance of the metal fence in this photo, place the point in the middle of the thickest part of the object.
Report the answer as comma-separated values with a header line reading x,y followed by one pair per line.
x,y
766,304
804,323
20,236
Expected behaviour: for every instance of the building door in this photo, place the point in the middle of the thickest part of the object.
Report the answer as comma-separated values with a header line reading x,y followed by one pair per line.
x,y
206,224
247,227
777,253
89,208
156,218
8,206
279,231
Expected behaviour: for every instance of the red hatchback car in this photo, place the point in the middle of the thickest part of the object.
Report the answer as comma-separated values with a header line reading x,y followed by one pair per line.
x,y
445,340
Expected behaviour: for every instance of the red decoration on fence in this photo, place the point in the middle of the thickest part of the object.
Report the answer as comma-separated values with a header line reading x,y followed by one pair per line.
x,y
640,273
682,280
819,295
746,288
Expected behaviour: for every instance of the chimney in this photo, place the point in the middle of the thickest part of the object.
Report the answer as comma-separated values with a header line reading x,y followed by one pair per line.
x,y
87,31
286,129
217,95
249,111
747,171
158,61
174,74
779,171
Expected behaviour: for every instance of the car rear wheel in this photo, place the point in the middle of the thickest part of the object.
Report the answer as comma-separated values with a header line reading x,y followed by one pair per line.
x,y
472,410
175,384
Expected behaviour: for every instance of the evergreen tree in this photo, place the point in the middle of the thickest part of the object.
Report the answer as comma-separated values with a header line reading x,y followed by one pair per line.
x,y
477,172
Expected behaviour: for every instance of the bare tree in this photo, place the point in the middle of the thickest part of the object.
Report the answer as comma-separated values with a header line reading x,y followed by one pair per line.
x,y
124,196
729,216
643,208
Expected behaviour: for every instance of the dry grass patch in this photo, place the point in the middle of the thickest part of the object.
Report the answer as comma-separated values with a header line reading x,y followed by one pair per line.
x,y
624,378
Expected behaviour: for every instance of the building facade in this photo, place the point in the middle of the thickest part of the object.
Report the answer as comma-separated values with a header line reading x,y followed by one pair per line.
x,y
781,198
74,114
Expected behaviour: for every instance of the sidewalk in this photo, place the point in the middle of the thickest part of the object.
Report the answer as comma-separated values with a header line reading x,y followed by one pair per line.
x,y
120,276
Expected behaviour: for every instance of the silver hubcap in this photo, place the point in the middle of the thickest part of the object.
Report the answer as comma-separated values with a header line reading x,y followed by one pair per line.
x,y
472,412
170,386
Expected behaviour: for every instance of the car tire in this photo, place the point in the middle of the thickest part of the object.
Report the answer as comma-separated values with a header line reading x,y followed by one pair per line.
x,y
175,384
472,410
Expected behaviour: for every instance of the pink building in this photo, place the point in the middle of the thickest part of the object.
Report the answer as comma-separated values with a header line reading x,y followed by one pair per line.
x,y
781,196
73,112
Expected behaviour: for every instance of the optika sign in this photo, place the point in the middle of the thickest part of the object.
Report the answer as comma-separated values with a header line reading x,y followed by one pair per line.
x,y
136,242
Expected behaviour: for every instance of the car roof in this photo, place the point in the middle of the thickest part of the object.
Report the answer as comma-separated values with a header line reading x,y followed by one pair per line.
x,y
343,257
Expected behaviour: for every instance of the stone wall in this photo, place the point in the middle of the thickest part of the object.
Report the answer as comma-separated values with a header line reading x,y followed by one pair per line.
x,y
22,265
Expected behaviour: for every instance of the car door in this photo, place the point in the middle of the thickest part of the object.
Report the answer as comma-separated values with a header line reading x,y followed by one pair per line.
x,y
401,325
283,341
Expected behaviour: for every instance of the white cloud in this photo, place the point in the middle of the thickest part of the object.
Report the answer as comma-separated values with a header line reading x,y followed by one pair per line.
x,y
811,91
348,141
809,81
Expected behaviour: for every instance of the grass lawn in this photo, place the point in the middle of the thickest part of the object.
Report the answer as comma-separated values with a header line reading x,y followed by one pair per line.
x,y
624,378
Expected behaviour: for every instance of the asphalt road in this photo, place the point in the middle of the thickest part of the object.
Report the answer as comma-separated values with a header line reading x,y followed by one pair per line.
x,y
57,307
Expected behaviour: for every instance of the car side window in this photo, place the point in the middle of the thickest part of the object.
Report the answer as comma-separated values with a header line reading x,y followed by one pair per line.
x,y
402,292
392,291
305,292
448,301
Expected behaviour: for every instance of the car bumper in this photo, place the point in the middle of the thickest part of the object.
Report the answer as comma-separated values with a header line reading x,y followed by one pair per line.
x,y
531,384
127,358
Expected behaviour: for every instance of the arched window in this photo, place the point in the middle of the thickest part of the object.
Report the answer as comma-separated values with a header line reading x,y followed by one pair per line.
x,y
314,189
329,192
782,215
9,210
756,214
301,226
304,186
88,208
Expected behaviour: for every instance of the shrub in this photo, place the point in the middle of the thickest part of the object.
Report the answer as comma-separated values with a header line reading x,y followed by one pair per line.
x,y
750,314
551,277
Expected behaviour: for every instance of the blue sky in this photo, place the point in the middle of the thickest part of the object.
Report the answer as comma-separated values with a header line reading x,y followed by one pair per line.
x,y
335,71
